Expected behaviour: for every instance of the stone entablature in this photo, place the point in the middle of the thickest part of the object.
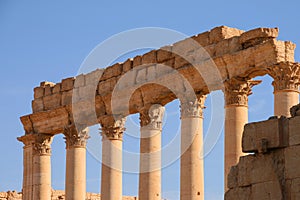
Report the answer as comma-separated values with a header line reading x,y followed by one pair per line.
x,y
235,53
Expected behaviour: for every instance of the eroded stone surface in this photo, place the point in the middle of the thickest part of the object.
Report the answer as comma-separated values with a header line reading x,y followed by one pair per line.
x,y
222,52
270,174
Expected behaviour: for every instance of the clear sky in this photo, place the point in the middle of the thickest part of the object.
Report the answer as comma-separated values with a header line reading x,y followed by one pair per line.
x,y
48,40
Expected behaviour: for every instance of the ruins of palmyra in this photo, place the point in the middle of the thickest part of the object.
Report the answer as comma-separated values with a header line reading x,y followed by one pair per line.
x,y
74,104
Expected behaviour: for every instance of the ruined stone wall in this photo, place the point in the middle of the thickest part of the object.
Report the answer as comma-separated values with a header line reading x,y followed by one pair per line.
x,y
56,195
272,169
233,52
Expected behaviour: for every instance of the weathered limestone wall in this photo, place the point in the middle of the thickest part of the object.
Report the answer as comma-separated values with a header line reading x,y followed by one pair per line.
x,y
56,195
272,172
234,52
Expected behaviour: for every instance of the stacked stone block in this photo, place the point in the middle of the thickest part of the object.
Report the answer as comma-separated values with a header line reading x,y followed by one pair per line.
x,y
271,170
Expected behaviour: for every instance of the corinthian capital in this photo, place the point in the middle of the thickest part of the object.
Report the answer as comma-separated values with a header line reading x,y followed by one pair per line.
x,y
152,118
40,143
237,90
193,107
113,129
286,76
76,137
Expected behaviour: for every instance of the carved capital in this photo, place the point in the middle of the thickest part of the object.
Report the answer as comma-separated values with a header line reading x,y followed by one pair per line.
x,y
76,137
286,76
114,129
193,108
237,90
152,118
40,143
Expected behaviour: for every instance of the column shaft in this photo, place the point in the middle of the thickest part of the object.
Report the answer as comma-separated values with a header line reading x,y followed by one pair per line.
x,y
27,173
191,162
150,153
236,94
286,77
111,174
283,101
75,163
76,174
42,177
235,119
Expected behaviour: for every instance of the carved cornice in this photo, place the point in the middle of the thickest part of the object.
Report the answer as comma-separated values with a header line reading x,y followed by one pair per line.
x,y
237,90
40,143
152,118
113,130
193,108
76,137
286,76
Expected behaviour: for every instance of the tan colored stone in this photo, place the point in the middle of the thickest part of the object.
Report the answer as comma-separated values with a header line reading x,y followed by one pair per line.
x,y
66,98
261,136
41,123
232,178
28,127
112,71
93,77
149,58
220,33
244,170
242,193
67,84
164,53
37,105
52,101
202,39
56,88
258,33
294,131
79,81
39,92
127,65
292,162
267,190
137,61
48,90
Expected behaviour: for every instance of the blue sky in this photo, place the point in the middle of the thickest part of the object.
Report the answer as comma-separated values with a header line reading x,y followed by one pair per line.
x,y
48,40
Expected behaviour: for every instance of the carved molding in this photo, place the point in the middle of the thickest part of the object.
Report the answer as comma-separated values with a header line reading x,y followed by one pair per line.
x,y
237,90
152,118
40,143
286,76
193,108
113,130
76,137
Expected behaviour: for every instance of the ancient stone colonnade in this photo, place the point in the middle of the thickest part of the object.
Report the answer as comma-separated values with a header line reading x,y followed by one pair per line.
x,y
74,104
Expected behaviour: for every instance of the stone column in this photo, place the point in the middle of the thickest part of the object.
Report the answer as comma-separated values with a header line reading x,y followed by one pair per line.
x,y
286,87
150,153
236,94
42,167
27,166
191,161
111,175
75,185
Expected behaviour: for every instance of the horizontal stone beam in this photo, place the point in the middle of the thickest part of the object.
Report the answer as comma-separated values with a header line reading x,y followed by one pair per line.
x,y
199,64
